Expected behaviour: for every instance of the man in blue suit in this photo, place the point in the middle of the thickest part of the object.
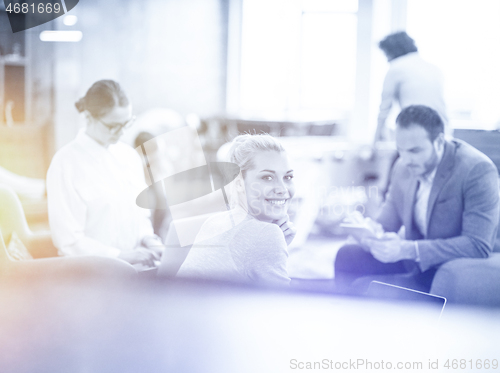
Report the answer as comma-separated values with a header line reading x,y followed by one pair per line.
x,y
444,193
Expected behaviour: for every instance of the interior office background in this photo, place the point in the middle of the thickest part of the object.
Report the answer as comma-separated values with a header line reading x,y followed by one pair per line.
x,y
271,60
275,60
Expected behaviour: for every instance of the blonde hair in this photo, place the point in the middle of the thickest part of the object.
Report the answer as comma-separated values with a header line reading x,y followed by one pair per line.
x,y
242,152
245,147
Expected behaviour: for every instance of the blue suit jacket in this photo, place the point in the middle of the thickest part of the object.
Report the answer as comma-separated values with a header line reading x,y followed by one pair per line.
x,y
463,208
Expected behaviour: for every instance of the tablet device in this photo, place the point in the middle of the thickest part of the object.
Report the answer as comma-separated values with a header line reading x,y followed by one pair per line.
x,y
358,231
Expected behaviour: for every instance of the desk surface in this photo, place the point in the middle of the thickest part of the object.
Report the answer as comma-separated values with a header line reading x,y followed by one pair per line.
x,y
158,326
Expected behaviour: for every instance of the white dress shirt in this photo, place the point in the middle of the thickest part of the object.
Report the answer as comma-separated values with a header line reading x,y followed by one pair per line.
x,y
422,198
411,80
92,193
421,202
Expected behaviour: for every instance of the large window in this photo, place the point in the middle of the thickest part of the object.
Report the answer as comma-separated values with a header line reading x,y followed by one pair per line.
x,y
298,59
462,37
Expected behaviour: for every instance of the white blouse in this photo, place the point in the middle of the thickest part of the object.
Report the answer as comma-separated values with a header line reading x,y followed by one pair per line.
x,y
92,193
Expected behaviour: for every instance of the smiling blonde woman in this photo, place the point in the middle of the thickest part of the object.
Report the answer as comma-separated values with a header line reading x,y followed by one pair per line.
x,y
254,249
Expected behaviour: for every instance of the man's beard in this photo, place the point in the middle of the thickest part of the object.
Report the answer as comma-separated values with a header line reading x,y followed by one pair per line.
x,y
431,164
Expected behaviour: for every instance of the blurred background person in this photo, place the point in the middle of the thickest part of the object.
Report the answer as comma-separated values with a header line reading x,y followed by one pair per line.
x,y
410,80
254,248
93,182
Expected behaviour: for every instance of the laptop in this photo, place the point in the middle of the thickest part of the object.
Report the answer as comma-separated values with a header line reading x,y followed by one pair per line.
x,y
384,291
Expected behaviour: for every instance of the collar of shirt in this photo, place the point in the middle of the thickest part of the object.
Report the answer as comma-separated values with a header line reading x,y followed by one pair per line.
x,y
404,57
88,141
429,178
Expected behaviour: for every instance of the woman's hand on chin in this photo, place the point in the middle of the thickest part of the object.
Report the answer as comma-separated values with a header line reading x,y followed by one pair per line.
x,y
287,227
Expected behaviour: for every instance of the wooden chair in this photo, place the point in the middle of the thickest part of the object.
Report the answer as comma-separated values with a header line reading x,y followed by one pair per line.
x,y
59,268
40,245
12,219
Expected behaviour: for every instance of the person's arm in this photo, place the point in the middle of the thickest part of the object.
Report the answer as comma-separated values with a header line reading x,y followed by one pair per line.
x,y
267,257
150,240
389,92
389,216
479,221
67,215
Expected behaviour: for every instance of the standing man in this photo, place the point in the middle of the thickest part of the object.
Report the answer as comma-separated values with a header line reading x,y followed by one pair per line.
x,y
444,193
410,81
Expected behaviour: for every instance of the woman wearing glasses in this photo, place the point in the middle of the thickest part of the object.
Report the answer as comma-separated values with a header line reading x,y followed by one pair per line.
x,y
93,182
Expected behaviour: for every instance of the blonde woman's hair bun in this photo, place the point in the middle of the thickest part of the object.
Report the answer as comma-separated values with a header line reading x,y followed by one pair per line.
x,y
245,147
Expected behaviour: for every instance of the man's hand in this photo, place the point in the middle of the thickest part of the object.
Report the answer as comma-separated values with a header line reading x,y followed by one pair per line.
x,y
357,218
391,248
288,228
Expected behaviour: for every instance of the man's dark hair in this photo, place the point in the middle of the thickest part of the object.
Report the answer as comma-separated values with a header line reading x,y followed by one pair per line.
x,y
397,45
422,116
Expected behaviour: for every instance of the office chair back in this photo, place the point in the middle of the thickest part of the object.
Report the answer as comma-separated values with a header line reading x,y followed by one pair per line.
x,y
12,218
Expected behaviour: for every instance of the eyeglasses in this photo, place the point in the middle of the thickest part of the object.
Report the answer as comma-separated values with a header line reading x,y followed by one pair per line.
x,y
114,128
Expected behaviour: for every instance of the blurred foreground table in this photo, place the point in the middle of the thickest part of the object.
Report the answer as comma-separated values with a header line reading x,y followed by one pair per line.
x,y
164,326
